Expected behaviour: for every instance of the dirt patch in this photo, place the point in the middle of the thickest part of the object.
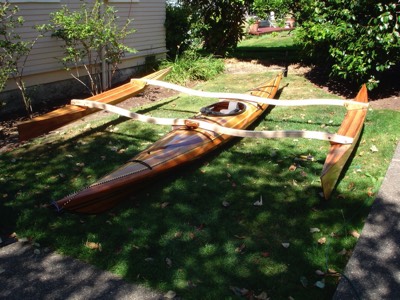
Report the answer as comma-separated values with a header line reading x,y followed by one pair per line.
x,y
235,66
9,134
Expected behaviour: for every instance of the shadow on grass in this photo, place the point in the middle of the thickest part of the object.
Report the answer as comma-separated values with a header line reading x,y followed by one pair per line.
x,y
282,56
177,234
195,231
388,86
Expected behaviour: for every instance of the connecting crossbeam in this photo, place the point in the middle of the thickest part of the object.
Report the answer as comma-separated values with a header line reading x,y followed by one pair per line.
x,y
245,97
194,123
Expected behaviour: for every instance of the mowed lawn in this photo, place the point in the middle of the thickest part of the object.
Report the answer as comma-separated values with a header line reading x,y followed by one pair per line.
x,y
197,231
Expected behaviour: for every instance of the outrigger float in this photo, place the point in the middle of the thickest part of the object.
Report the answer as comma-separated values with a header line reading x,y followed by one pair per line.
x,y
212,127
70,113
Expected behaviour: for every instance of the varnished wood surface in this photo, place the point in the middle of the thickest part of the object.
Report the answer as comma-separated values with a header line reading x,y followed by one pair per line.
x,y
339,154
65,115
180,146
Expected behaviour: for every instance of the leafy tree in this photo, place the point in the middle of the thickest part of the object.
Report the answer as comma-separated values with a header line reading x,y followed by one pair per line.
x,y
356,40
177,27
13,51
90,34
220,23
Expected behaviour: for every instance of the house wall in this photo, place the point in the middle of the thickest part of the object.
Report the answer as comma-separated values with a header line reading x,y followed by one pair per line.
x,y
43,66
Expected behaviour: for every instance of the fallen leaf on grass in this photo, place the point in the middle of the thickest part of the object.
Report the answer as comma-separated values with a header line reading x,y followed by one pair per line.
x,y
355,234
170,295
238,291
373,148
178,234
262,296
332,271
259,202
293,167
314,230
240,237
164,204
370,192
168,261
322,240
93,246
320,284
240,248
334,235
225,204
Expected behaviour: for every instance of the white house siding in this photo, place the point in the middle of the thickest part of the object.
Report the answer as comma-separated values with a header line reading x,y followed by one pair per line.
x,y
43,66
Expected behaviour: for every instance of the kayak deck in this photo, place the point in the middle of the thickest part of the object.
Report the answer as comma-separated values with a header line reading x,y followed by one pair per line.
x,y
180,146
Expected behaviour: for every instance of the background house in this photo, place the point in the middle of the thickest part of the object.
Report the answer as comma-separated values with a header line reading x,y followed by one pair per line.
x,y
44,74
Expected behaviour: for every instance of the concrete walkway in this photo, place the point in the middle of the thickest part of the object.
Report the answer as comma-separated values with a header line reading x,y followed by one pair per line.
x,y
45,276
373,270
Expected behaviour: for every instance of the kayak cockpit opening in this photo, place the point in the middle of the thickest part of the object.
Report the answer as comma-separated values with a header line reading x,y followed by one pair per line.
x,y
224,108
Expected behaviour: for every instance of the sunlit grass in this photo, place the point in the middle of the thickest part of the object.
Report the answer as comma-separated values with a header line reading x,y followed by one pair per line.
x,y
197,230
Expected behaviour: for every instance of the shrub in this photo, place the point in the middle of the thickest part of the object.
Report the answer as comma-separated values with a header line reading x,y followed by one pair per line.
x,y
355,40
192,66
90,34
14,51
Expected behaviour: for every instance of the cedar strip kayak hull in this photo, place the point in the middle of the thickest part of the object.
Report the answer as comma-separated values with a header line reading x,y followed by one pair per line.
x,y
339,154
70,113
180,146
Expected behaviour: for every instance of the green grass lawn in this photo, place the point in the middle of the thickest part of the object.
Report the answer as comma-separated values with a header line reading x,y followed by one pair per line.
x,y
197,231
274,48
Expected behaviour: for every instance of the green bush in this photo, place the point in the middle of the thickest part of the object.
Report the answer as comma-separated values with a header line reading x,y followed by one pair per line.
x,y
220,23
192,66
14,51
90,35
177,27
356,40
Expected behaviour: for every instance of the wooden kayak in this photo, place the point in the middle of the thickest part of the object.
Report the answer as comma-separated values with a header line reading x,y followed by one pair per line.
x,y
339,154
69,113
180,146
